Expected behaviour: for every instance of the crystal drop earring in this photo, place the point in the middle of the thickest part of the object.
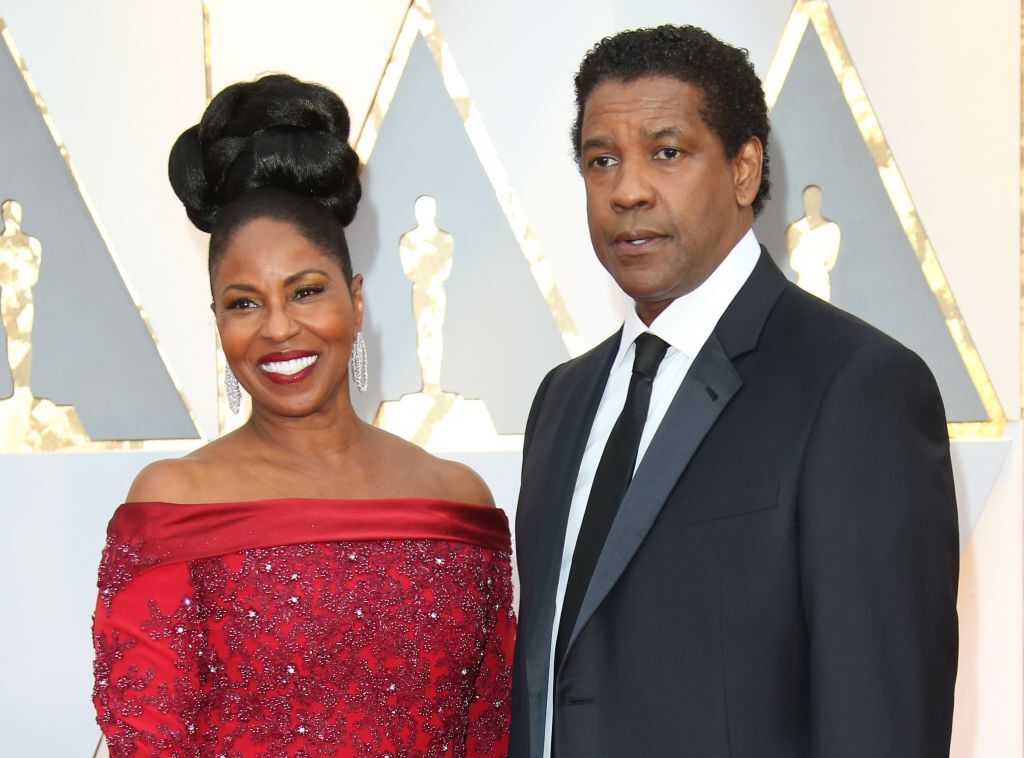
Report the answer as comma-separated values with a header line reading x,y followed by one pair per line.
x,y
357,363
232,390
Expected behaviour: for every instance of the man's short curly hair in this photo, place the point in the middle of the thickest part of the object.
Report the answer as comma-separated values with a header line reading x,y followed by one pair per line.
x,y
734,106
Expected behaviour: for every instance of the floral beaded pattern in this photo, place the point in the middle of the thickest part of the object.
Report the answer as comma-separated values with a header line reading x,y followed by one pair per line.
x,y
121,561
397,648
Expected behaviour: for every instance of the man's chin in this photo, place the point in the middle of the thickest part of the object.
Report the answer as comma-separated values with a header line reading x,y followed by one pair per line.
x,y
650,307
645,291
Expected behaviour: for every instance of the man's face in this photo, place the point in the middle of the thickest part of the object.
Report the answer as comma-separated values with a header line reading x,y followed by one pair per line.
x,y
664,203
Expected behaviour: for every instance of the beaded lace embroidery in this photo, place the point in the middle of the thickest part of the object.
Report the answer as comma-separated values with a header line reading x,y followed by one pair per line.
x,y
397,648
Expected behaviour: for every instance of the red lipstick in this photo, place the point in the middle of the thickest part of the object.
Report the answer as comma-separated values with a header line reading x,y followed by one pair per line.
x,y
289,366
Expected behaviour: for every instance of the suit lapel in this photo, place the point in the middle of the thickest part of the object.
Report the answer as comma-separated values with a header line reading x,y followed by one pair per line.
x,y
708,387
710,384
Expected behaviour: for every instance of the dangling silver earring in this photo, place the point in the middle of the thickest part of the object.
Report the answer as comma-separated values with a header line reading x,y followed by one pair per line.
x,y
232,390
358,363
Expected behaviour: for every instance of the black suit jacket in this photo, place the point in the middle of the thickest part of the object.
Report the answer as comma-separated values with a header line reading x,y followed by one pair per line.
x,y
780,580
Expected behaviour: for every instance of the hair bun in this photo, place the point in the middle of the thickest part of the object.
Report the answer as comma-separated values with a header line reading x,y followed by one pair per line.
x,y
276,132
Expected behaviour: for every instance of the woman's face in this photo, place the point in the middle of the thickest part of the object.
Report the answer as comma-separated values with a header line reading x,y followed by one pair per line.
x,y
286,317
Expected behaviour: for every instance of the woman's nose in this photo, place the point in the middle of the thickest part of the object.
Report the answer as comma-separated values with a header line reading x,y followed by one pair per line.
x,y
278,324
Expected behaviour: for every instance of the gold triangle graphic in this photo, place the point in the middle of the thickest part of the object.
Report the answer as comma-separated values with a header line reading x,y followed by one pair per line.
x,y
419,21
52,427
818,14
433,418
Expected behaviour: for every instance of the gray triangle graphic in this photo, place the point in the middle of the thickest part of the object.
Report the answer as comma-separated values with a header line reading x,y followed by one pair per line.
x,y
977,465
91,348
499,336
877,277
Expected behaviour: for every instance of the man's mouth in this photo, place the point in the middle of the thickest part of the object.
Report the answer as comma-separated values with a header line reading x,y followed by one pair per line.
x,y
637,240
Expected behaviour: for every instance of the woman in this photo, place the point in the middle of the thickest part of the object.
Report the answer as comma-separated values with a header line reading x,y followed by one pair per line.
x,y
308,584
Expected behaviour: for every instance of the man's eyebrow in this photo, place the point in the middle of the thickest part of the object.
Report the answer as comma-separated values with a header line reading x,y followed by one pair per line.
x,y
673,132
595,142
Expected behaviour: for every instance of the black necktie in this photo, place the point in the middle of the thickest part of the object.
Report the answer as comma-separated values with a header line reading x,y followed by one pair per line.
x,y
614,473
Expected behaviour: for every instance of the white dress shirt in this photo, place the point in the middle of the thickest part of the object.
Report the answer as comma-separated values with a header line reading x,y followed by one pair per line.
x,y
685,325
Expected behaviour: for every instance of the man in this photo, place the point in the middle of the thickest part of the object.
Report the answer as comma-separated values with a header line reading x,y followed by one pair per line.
x,y
778,579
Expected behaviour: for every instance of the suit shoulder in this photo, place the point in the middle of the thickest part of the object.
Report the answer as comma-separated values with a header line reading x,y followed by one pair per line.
x,y
561,381
814,324
591,360
829,347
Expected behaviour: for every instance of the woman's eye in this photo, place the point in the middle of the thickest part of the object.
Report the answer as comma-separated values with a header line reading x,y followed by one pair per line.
x,y
308,291
668,153
239,303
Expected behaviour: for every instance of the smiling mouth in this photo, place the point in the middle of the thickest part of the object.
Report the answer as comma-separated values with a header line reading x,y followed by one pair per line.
x,y
289,367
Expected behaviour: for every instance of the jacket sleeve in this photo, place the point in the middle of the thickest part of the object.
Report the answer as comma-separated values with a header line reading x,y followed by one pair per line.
x,y
490,711
145,636
538,401
879,561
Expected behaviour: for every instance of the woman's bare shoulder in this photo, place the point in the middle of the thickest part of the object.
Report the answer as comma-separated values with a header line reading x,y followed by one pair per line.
x,y
439,477
463,483
189,479
171,480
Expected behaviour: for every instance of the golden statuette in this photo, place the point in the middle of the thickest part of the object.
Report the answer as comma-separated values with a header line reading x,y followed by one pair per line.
x,y
426,254
813,244
432,417
27,424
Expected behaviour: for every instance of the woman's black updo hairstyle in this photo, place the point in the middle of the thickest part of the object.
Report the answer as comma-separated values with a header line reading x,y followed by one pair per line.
x,y
275,148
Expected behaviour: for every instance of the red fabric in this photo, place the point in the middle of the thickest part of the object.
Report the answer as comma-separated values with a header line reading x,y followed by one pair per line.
x,y
305,627
178,532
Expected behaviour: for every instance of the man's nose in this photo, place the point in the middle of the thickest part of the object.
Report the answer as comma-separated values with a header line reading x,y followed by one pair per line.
x,y
632,188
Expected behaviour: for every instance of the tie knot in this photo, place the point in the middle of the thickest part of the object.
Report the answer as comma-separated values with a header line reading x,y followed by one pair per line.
x,y
650,349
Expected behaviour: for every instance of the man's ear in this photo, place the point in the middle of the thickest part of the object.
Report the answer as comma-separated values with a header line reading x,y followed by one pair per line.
x,y
746,171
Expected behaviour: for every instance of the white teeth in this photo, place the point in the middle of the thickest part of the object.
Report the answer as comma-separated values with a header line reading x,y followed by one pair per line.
x,y
637,242
287,368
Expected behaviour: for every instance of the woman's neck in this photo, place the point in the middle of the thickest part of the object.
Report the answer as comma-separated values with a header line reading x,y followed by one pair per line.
x,y
323,434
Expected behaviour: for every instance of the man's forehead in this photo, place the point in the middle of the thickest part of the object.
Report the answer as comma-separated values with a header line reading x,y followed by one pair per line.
x,y
644,101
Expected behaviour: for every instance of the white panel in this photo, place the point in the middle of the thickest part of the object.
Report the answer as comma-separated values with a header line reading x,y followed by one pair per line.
x,y
55,508
344,45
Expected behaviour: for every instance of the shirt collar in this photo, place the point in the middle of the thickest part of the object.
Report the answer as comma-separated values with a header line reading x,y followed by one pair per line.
x,y
688,321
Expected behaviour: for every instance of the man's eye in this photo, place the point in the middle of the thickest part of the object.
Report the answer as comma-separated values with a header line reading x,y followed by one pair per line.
x,y
603,161
240,303
668,153
308,291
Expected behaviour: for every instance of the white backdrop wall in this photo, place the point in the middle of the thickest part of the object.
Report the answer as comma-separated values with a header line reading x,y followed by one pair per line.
x,y
122,79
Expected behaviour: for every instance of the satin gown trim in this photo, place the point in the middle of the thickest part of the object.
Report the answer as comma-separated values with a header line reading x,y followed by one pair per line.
x,y
174,532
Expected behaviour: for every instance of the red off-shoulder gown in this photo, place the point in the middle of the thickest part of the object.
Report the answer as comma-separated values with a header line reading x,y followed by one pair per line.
x,y
305,628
